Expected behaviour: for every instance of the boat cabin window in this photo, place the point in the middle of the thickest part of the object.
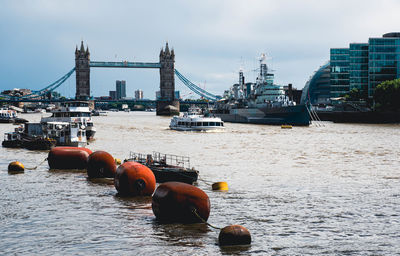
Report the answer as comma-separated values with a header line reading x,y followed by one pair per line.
x,y
212,123
217,124
205,123
198,124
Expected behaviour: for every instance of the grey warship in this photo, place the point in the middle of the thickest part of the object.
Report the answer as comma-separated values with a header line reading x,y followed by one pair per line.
x,y
262,102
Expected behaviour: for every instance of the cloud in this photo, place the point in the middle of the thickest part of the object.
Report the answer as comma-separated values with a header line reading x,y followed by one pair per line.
x,y
212,39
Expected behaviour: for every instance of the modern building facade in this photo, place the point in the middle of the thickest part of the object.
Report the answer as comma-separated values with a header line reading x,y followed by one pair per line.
x,y
384,60
120,88
358,68
339,79
365,65
138,94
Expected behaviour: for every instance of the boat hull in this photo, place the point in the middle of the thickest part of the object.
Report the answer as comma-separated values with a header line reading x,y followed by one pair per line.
x,y
197,129
90,133
291,115
171,174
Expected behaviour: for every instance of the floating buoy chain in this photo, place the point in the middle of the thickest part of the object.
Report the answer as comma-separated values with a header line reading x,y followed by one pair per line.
x,y
202,220
34,168
205,182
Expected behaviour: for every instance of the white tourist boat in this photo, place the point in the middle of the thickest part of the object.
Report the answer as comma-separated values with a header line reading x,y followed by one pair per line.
x,y
7,115
73,111
66,133
194,121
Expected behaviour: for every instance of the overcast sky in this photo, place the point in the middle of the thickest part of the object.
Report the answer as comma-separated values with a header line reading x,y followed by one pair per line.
x,y
212,39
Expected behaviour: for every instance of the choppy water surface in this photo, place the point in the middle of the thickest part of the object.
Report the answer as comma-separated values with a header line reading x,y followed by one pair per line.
x,y
332,190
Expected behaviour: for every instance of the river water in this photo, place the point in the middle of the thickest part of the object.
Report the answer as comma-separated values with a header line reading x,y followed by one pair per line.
x,y
327,190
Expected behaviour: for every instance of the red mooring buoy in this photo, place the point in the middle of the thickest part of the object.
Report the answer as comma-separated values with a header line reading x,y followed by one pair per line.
x,y
134,179
180,202
101,165
234,235
68,158
78,148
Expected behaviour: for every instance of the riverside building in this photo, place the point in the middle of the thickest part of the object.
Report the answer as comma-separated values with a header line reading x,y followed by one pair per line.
x,y
361,65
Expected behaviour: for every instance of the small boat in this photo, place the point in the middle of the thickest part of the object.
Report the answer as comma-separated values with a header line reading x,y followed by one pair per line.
x,y
66,133
26,137
193,120
167,167
73,111
7,115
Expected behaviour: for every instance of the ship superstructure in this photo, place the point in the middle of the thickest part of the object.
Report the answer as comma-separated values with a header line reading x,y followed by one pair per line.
x,y
261,102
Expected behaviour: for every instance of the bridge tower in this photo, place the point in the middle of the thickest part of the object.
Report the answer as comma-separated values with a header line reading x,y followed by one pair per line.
x,y
82,71
167,104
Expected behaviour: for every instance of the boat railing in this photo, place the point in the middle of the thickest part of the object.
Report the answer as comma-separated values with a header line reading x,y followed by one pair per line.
x,y
161,159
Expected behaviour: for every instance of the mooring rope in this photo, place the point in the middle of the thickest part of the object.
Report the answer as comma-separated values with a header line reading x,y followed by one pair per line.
x,y
205,182
203,220
34,168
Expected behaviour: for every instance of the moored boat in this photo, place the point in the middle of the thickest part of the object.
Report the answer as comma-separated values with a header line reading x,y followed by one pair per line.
x,y
73,111
7,115
26,137
66,133
167,167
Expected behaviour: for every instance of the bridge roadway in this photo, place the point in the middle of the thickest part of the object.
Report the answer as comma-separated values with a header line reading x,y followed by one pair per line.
x,y
123,64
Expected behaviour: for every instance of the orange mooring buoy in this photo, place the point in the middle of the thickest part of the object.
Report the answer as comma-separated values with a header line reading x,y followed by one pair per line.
x,y
134,179
234,235
180,202
68,158
101,165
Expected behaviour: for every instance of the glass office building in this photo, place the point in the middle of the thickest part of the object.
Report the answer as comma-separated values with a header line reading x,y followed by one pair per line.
x,y
365,65
318,88
358,67
340,82
384,60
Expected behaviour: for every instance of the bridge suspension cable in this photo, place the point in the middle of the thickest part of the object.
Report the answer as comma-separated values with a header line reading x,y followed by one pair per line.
x,y
45,90
199,91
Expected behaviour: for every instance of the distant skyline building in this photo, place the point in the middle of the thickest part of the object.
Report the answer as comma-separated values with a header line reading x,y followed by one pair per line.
x,y
120,88
138,94
113,95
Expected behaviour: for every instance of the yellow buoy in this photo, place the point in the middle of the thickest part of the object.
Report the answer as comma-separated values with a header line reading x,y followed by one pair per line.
x,y
117,161
16,167
286,126
221,186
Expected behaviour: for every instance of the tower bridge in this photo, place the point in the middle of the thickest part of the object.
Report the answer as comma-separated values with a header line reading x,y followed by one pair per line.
x,y
167,104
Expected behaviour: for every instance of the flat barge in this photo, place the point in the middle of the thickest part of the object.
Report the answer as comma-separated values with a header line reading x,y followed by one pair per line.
x,y
167,167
